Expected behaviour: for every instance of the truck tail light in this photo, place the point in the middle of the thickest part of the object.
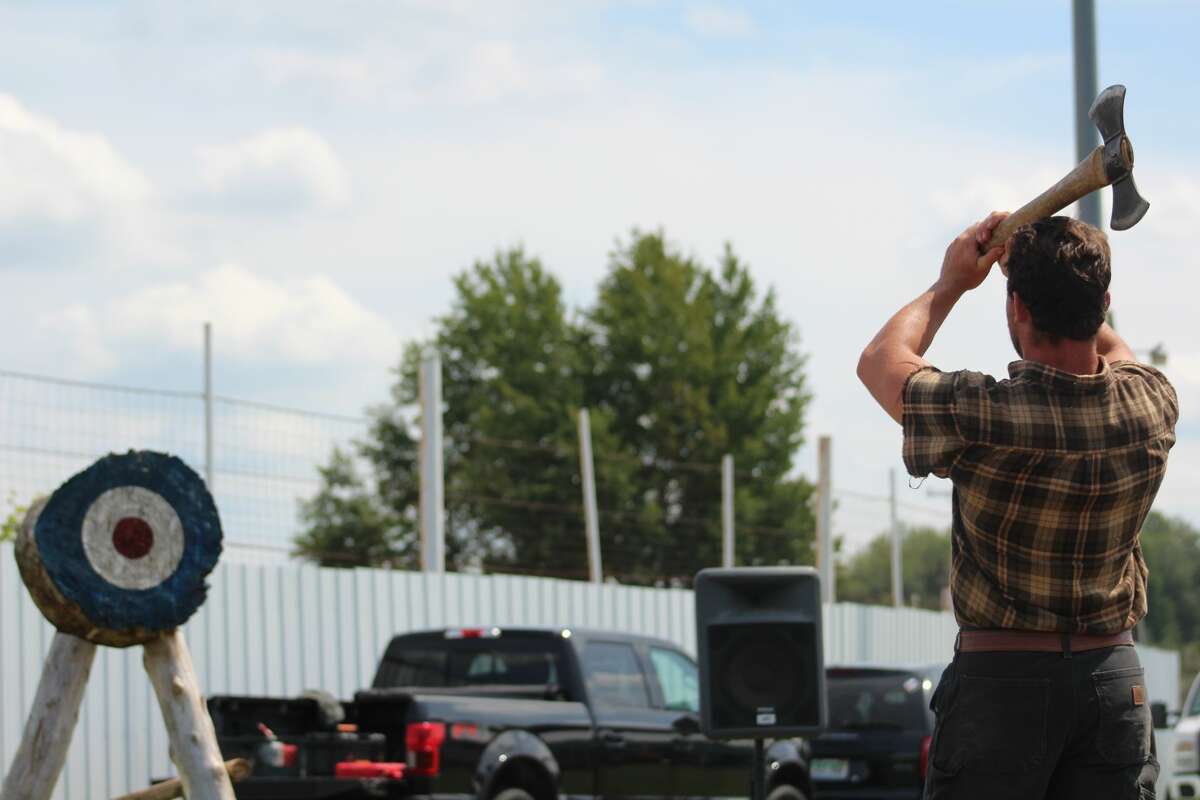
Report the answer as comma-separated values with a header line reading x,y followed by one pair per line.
x,y
424,742
925,743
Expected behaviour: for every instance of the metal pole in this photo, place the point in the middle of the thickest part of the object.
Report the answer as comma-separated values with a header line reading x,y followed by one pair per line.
x,y
758,790
825,518
208,407
897,573
591,517
1083,16
727,510
433,541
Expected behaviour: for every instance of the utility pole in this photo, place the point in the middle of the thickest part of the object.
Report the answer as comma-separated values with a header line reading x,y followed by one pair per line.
x,y
591,519
432,501
727,511
208,407
897,572
1083,17
825,518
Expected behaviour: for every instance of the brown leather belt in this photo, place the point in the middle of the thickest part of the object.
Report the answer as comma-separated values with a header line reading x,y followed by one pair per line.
x,y
995,641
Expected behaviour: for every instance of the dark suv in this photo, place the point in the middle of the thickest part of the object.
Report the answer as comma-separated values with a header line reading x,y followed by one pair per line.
x,y
880,727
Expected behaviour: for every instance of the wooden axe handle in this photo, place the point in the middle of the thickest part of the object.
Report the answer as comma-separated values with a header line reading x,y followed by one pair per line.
x,y
1087,177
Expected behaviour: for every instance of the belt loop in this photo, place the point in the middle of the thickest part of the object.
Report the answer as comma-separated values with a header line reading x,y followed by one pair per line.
x,y
1066,645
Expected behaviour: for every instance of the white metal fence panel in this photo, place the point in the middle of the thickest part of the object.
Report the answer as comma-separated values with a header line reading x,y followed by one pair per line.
x,y
279,629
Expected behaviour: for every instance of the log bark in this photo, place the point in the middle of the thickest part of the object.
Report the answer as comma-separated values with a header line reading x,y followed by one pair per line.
x,y
237,768
57,609
43,749
189,728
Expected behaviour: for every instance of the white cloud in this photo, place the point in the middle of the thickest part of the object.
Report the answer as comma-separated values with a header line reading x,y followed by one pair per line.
x,y
350,74
494,71
713,20
306,321
62,192
74,340
282,168
303,322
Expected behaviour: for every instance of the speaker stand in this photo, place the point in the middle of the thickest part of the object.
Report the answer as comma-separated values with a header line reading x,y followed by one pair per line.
x,y
758,787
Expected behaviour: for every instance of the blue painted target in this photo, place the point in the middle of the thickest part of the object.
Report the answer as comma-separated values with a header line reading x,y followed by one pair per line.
x,y
129,542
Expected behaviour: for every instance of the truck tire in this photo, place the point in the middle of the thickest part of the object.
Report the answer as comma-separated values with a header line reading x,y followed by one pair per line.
x,y
786,792
513,794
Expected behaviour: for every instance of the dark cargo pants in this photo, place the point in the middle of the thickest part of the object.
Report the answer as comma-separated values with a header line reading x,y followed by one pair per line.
x,y
1042,725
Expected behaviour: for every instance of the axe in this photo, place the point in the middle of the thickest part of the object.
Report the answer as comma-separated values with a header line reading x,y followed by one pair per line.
x,y
1110,163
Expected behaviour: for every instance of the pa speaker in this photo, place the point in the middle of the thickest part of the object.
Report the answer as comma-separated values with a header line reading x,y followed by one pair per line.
x,y
762,670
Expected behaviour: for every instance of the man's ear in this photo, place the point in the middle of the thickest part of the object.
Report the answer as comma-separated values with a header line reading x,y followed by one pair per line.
x,y
1020,310
1107,300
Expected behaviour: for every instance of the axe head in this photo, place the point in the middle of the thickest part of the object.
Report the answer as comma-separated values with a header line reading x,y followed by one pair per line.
x,y
1108,112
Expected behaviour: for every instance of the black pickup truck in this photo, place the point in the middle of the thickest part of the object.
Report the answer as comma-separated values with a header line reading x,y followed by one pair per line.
x,y
514,714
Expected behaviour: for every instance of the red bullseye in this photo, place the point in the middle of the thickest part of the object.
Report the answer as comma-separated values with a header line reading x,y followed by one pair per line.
x,y
133,537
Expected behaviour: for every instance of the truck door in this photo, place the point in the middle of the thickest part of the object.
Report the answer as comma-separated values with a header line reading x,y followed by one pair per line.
x,y
634,741
703,767
677,680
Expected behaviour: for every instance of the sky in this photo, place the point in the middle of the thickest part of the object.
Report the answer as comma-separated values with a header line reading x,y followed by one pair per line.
x,y
308,177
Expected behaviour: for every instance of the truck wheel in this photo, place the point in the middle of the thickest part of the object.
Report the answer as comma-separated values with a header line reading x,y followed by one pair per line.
x,y
786,793
513,794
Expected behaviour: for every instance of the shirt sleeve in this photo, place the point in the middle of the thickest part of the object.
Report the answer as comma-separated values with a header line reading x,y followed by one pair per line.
x,y
932,438
1157,383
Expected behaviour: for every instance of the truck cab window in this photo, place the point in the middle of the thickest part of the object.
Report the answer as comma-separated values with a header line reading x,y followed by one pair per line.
x,y
614,676
414,667
678,678
507,669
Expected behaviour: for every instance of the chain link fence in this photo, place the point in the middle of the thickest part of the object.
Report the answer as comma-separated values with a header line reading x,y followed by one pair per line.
x,y
265,458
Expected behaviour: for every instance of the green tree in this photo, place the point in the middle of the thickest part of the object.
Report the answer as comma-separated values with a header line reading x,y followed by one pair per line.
x,y
1171,547
510,397
1172,551
692,364
347,525
677,365
925,560
10,525
512,394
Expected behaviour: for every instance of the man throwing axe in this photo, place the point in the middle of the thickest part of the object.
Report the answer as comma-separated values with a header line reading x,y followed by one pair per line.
x,y
1054,471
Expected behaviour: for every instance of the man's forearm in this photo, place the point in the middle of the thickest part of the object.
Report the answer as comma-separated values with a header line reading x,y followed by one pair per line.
x,y
898,349
912,328
1110,345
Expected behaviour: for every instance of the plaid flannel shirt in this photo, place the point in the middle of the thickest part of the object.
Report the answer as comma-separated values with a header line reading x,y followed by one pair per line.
x,y
1053,477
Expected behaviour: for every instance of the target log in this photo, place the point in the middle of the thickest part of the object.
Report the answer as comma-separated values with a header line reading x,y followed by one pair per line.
x,y
120,552
190,729
43,749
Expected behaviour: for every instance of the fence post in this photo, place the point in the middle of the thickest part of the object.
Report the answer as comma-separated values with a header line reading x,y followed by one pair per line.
x,y
208,407
897,571
591,519
825,518
727,557
432,510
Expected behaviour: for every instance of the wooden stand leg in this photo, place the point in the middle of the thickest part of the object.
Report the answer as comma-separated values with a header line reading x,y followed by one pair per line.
x,y
43,749
193,740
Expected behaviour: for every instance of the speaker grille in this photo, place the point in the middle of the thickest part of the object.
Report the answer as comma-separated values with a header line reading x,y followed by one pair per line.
x,y
764,674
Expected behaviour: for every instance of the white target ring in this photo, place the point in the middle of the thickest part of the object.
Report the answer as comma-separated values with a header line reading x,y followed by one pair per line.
x,y
132,537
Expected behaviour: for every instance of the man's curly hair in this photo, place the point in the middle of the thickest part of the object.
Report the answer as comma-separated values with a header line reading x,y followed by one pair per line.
x,y
1060,267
